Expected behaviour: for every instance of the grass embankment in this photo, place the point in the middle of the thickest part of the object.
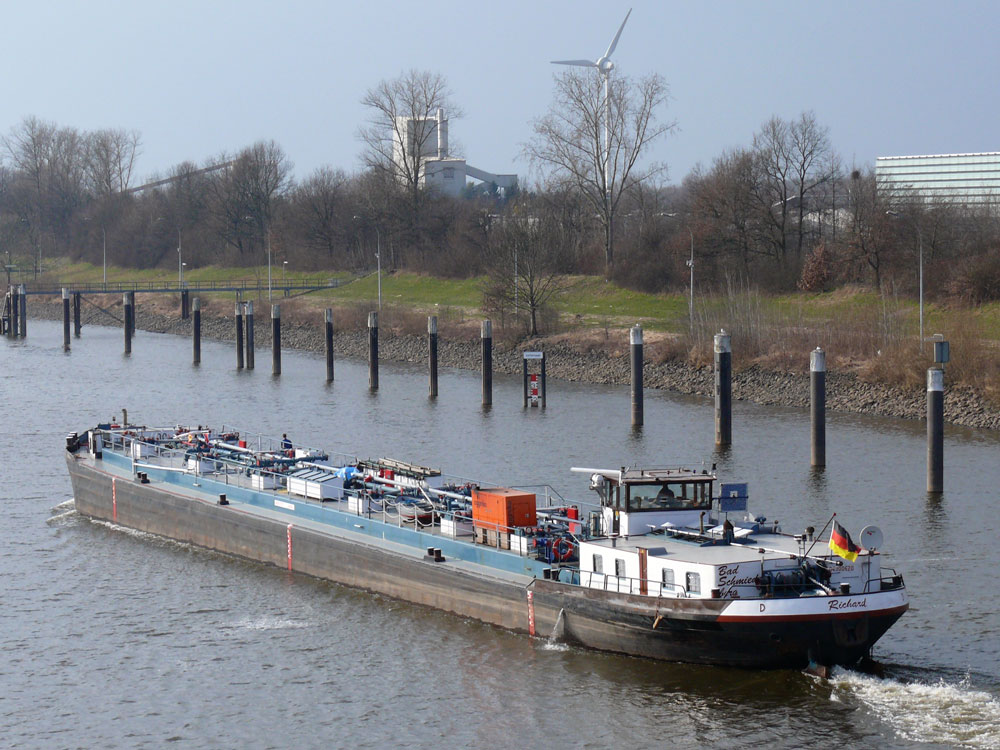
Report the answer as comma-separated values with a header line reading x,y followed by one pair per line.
x,y
873,335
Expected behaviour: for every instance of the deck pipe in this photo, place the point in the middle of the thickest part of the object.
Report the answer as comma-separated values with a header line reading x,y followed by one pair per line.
x,y
196,331
76,315
486,334
65,301
817,406
275,339
723,389
432,356
22,301
250,335
127,321
935,430
239,335
373,351
635,346
328,320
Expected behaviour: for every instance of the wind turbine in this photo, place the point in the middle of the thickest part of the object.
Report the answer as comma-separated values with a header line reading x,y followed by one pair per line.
x,y
604,65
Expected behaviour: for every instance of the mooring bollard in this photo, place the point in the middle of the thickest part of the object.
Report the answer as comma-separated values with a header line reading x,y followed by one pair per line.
x,y
486,334
65,299
635,344
250,334
935,429
76,315
275,339
22,300
196,331
131,313
817,405
185,296
239,335
432,356
15,313
328,318
127,321
723,389
373,351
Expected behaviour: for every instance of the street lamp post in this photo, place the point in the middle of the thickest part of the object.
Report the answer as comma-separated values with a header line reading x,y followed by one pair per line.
x,y
690,264
378,259
104,235
180,264
269,263
920,270
183,266
284,273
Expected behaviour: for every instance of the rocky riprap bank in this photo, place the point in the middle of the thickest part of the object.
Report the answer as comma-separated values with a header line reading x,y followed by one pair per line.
x,y
844,391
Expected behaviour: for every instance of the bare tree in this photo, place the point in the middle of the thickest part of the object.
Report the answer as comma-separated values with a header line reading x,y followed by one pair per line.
x,y
568,142
526,249
319,204
245,196
110,159
398,134
809,148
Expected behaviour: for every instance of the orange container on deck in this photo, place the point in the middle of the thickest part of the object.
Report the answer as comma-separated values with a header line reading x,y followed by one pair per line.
x,y
502,508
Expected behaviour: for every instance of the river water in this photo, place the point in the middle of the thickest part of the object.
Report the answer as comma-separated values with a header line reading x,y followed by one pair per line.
x,y
113,638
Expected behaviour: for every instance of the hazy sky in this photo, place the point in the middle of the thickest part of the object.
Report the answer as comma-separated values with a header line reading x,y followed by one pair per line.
x,y
198,78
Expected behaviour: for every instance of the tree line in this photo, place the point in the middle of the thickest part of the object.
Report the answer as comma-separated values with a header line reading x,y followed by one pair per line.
x,y
781,213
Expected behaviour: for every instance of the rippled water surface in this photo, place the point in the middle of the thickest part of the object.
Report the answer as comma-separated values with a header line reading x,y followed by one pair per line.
x,y
113,638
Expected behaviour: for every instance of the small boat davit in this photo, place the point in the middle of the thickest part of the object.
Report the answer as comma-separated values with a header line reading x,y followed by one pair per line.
x,y
661,563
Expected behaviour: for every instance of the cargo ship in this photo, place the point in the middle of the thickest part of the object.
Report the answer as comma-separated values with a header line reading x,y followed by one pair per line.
x,y
659,563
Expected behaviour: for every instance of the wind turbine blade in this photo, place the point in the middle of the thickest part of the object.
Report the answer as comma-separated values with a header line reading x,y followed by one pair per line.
x,y
614,42
584,63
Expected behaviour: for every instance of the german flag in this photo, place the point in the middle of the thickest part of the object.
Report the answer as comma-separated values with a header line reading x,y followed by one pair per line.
x,y
842,544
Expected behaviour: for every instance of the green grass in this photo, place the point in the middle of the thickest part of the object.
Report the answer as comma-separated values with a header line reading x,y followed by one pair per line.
x,y
587,300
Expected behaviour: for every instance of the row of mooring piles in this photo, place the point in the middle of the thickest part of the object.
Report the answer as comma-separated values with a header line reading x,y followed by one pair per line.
x,y
817,401
532,394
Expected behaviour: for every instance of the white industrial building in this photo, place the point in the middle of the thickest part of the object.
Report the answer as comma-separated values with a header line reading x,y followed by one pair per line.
x,y
959,178
440,171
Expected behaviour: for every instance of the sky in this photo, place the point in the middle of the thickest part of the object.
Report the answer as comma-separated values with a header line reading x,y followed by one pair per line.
x,y
200,78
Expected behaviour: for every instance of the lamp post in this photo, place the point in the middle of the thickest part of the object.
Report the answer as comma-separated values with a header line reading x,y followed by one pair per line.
x,y
920,269
690,264
180,264
378,259
104,243
284,271
269,262
183,266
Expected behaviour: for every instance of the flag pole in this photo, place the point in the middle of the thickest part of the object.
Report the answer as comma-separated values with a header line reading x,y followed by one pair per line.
x,y
819,536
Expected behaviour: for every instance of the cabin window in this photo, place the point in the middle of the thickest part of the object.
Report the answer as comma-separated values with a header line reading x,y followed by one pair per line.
x,y
449,173
620,568
598,564
669,496
693,583
668,579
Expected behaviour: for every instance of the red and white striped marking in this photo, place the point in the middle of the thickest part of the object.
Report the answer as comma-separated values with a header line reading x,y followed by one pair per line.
x,y
289,546
114,499
531,613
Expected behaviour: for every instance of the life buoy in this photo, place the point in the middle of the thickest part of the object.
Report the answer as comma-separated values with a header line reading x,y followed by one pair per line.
x,y
562,549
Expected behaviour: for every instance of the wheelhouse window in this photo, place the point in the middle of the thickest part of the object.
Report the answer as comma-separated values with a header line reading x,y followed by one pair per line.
x,y
693,583
654,496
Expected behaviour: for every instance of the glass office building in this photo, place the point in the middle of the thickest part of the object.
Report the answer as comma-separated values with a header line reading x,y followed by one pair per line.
x,y
961,178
